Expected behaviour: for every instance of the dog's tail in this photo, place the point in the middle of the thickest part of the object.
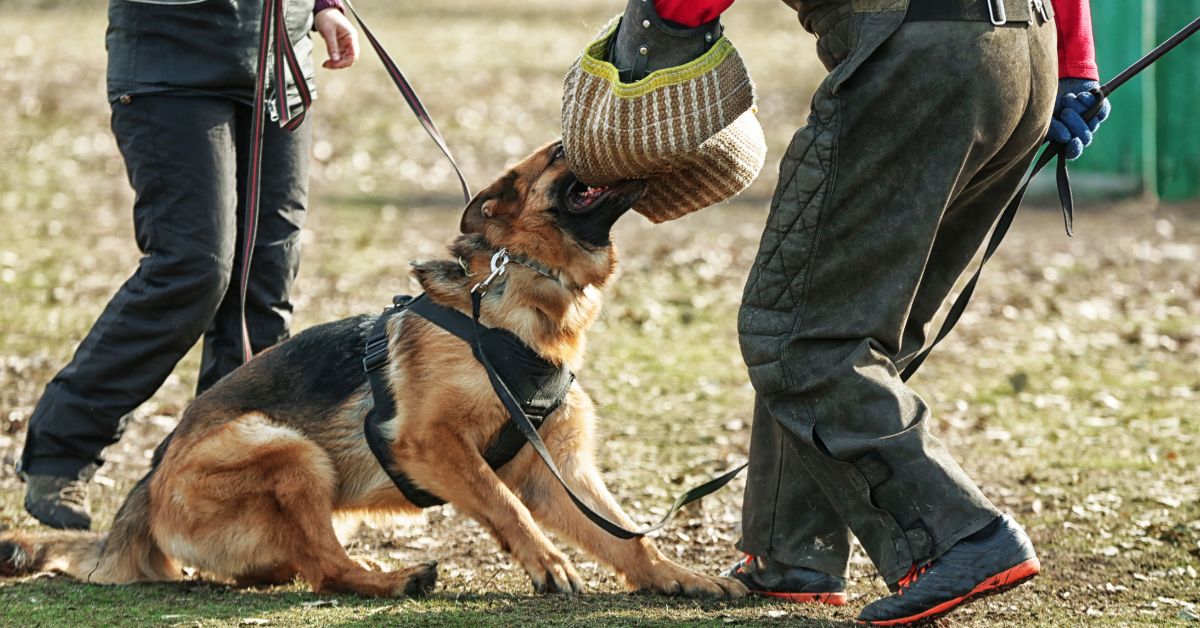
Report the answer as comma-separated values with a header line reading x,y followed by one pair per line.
x,y
128,553
25,553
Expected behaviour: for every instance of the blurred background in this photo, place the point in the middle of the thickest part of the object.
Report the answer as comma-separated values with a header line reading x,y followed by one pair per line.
x,y
1152,145
1069,389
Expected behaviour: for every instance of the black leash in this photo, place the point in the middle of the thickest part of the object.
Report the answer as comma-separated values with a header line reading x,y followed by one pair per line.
x,y
274,27
1063,181
410,97
529,431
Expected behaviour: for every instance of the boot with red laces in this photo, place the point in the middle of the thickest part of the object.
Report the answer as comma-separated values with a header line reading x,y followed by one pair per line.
x,y
991,561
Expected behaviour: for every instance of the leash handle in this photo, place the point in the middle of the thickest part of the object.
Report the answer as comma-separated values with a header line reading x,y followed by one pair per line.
x,y
254,175
529,431
414,102
273,37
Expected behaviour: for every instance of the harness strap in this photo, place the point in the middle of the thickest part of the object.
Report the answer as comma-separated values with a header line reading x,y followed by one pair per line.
x,y
530,433
508,442
539,404
1063,181
524,425
385,409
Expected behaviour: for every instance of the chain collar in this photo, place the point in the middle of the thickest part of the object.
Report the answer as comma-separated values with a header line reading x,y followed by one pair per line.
x,y
500,261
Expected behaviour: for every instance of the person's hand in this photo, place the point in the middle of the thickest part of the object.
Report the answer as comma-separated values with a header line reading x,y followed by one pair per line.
x,y
1068,126
341,38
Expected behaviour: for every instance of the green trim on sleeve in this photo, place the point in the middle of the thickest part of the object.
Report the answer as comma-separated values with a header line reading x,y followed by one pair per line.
x,y
593,63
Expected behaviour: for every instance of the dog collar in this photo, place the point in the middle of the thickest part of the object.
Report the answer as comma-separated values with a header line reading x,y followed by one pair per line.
x,y
502,257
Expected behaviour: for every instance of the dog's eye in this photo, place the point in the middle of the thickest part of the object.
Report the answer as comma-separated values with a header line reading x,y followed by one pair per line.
x,y
559,153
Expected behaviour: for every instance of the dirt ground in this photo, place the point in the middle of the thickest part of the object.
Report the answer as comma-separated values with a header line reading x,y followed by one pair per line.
x,y
1069,390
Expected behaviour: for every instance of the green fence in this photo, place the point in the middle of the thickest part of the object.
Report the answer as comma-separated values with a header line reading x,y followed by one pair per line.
x,y
1151,144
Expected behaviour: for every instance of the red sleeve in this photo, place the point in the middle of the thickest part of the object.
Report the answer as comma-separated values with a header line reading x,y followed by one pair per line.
x,y
321,5
1076,49
1073,18
691,12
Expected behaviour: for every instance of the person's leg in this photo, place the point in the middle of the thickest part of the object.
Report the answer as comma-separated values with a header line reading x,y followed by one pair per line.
x,y
276,257
785,515
1000,555
797,546
786,518
179,156
861,197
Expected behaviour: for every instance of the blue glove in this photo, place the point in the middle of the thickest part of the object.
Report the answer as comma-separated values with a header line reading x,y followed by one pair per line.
x,y
1068,126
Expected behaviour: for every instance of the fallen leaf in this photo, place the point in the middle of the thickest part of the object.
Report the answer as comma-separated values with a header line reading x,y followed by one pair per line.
x,y
1169,502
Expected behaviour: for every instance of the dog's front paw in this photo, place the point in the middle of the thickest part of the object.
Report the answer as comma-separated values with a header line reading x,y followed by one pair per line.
x,y
552,572
416,581
671,579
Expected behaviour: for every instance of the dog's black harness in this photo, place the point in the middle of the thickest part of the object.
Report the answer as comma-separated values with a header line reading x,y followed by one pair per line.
x,y
528,385
539,385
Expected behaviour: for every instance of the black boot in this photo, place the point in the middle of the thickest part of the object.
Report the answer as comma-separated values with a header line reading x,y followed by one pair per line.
x,y
771,578
645,42
972,568
60,502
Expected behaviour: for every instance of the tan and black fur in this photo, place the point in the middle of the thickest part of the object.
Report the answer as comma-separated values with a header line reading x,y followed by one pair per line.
x,y
248,485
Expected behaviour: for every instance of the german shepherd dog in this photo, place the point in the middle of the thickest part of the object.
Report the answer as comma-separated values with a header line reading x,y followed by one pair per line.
x,y
248,486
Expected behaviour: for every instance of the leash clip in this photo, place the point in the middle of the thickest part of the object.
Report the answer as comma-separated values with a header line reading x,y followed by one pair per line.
x,y
500,262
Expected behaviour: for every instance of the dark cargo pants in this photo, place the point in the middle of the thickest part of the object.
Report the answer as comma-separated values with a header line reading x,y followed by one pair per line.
x,y
186,160
916,141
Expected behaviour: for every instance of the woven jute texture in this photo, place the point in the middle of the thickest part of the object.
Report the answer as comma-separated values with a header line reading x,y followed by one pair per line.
x,y
690,131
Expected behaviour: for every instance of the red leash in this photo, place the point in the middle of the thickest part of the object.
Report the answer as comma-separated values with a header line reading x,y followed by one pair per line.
x,y
273,37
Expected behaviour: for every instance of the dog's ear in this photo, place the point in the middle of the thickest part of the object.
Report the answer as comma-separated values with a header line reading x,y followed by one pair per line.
x,y
473,218
498,200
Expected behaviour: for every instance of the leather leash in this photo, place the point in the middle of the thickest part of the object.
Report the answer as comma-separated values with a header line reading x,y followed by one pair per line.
x,y
1063,181
273,37
527,429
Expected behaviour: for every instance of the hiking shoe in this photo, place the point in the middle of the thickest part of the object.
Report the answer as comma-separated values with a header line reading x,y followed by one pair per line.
x,y
771,578
967,571
58,501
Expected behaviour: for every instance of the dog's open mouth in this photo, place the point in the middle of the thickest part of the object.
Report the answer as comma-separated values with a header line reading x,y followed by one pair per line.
x,y
589,211
582,197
